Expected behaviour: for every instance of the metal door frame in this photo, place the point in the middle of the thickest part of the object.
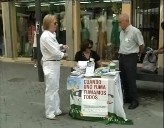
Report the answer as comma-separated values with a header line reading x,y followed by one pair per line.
x,y
146,17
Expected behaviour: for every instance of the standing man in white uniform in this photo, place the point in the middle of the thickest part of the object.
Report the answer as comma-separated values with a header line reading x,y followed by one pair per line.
x,y
51,51
131,44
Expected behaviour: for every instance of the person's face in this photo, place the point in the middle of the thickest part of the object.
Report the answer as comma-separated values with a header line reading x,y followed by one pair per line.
x,y
53,25
89,47
123,23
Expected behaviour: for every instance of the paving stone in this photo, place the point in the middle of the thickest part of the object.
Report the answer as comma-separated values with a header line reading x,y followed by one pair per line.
x,y
22,101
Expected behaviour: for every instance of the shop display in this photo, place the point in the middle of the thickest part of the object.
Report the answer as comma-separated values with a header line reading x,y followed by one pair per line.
x,y
102,34
62,32
97,24
22,33
103,28
85,27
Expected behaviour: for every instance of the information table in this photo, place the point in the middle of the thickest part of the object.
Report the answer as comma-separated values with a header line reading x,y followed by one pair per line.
x,y
97,99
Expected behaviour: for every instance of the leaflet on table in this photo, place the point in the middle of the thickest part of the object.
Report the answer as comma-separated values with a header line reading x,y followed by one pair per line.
x,y
90,68
82,64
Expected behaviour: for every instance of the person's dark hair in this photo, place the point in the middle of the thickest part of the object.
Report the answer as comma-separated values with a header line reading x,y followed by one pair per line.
x,y
85,44
162,25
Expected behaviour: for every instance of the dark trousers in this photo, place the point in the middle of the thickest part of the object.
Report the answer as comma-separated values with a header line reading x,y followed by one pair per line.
x,y
128,68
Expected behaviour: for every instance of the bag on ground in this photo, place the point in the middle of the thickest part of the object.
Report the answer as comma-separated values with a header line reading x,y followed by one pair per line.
x,y
150,62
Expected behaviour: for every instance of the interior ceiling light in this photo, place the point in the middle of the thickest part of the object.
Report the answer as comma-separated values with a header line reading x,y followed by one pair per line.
x,y
59,4
112,0
17,5
116,0
84,2
32,5
45,4
52,2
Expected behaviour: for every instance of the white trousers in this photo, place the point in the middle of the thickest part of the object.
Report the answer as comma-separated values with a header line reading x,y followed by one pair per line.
x,y
51,71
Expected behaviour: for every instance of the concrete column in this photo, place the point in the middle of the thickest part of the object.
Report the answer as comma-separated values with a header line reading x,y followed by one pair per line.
x,y
127,7
9,28
69,29
161,34
38,34
76,25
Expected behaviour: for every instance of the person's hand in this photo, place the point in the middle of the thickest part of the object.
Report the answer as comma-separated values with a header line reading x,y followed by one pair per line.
x,y
65,47
65,56
156,52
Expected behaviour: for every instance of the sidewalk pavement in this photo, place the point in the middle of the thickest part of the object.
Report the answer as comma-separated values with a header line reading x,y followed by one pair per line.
x,y
27,60
22,101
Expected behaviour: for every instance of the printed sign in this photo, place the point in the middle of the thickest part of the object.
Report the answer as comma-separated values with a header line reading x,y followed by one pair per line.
x,y
95,97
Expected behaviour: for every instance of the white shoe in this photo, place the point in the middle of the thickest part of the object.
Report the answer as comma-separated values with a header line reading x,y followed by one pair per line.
x,y
51,117
58,113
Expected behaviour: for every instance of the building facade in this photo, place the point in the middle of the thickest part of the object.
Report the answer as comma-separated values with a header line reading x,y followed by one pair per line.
x,y
81,22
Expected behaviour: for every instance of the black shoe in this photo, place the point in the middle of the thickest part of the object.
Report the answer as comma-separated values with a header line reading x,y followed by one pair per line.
x,y
133,105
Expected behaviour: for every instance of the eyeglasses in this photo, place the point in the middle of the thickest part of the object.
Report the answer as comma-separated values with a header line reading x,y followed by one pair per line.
x,y
55,23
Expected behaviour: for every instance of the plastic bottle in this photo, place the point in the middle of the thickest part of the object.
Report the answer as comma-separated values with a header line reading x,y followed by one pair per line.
x,y
112,67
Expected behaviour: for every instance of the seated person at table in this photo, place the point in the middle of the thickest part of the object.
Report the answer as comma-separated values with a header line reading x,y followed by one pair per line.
x,y
86,53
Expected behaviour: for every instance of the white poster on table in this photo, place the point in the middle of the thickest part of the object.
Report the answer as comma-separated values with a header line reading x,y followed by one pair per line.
x,y
95,97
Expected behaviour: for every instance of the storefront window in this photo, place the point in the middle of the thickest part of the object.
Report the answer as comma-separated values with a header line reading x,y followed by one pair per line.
x,y
25,29
26,23
99,22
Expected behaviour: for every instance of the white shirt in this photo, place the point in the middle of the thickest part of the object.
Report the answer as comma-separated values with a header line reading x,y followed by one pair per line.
x,y
49,46
130,40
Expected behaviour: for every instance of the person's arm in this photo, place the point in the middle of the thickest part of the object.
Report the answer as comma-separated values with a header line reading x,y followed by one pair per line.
x,y
52,47
159,51
161,48
97,59
99,64
141,47
77,55
63,48
140,41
